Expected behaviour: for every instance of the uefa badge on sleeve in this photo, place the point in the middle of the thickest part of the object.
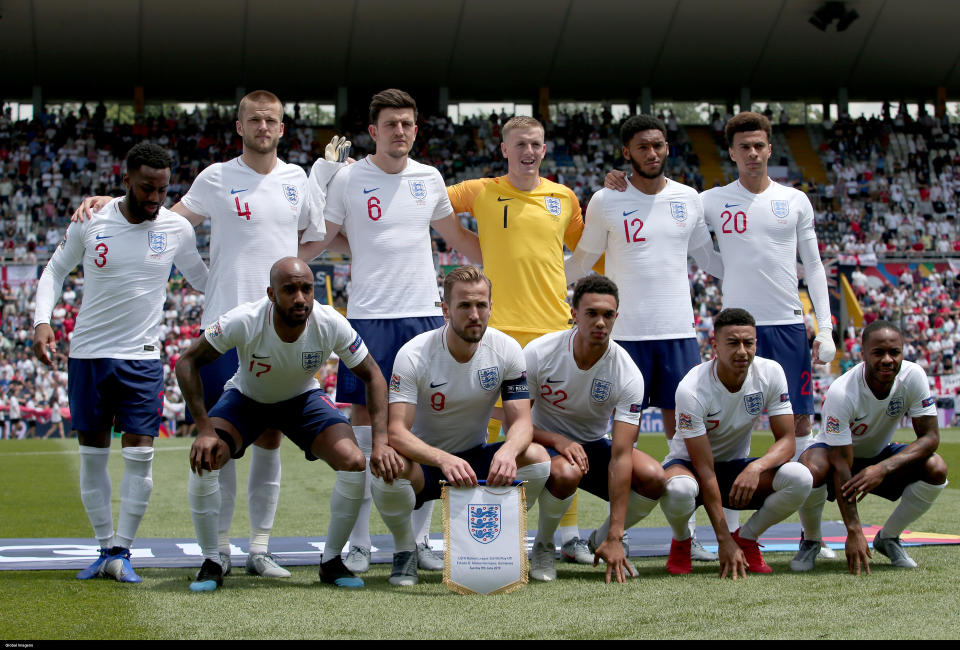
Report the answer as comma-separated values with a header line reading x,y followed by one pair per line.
x,y
485,539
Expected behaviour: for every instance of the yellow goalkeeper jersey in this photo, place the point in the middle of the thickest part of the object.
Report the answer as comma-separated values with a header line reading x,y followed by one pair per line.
x,y
522,236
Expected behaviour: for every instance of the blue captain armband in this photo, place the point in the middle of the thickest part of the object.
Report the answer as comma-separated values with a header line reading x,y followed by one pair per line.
x,y
515,388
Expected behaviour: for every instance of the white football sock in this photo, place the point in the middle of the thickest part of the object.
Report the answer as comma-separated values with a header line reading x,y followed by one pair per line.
x,y
733,519
692,523
360,535
263,492
344,506
638,507
228,499
135,490
204,494
811,513
678,503
552,510
95,491
568,532
395,502
420,521
791,484
536,476
916,500
801,445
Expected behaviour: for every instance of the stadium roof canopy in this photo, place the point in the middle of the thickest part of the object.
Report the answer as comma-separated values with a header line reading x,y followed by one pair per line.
x,y
198,50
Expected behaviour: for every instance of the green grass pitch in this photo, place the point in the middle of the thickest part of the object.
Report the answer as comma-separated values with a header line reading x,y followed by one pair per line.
x,y
39,497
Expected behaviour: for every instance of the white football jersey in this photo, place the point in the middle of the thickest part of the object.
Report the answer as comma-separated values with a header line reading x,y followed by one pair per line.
x,y
386,218
705,406
578,403
454,400
255,220
125,267
646,239
272,370
758,236
853,416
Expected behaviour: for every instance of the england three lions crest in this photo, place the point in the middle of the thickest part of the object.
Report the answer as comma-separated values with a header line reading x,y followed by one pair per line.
x,y
290,194
484,522
600,390
780,208
678,210
553,205
895,407
753,403
157,241
489,378
418,189
312,360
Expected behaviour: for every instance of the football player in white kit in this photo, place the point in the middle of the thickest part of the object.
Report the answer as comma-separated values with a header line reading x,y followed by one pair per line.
x,y
282,340
115,377
853,455
647,232
385,205
258,205
444,385
580,379
718,403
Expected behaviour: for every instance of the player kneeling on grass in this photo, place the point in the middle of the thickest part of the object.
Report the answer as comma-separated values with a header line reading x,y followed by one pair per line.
x,y
444,385
281,341
582,378
718,403
115,371
853,455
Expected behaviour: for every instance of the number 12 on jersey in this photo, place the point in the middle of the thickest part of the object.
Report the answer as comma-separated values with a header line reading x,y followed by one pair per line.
x,y
637,225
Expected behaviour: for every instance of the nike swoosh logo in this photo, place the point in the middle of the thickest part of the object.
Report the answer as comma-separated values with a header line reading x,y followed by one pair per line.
x,y
730,205
710,415
433,385
500,198
257,356
104,236
553,381
859,418
366,191
627,214
238,191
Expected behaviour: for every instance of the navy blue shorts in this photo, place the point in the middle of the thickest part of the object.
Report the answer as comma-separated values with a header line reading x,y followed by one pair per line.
x,y
479,458
788,346
384,337
893,484
727,472
663,363
301,418
214,376
597,480
122,393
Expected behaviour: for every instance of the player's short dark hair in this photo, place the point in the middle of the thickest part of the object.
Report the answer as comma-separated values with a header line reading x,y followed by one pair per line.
x,y
467,273
264,96
875,326
747,121
149,155
594,284
637,123
390,98
732,316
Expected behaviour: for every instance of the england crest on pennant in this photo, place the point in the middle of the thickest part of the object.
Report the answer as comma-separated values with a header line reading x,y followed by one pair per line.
x,y
753,403
157,241
312,360
553,205
780,208
600,390
678,210
484,522
489,377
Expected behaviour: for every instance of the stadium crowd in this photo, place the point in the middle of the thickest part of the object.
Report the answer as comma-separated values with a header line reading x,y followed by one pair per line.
x,y
893,188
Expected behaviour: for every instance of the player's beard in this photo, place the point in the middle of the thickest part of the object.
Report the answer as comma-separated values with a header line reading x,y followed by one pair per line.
x,y
250,142
639,170
463,334
291,320
136,209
